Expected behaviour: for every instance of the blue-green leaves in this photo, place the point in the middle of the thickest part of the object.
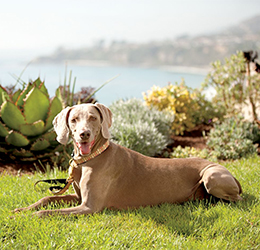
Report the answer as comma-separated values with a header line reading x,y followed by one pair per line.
x,y
26,118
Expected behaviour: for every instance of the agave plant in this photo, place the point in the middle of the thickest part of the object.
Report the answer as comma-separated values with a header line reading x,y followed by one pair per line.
x,y
26,122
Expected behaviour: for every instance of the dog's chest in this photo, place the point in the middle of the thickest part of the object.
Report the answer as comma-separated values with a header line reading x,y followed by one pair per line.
x,y
85,176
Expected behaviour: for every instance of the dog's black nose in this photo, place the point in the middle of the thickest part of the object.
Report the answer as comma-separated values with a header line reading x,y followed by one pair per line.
x,y
84,135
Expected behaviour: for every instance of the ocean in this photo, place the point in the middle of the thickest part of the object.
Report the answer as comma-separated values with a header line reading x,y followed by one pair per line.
x,y
131,82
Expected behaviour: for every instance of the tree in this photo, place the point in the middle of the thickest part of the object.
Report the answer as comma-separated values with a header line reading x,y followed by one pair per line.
x,y
236,85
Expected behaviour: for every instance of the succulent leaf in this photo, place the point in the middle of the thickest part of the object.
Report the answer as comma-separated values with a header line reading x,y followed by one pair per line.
x,y
12,115
58,94
37,82
3,150
20,99
55,108
16,139
2,90
35,157
3,130
3,94
40,144
40,85
36,106
51,137
23,153
29,159
33,129
44,89
59,148
16,95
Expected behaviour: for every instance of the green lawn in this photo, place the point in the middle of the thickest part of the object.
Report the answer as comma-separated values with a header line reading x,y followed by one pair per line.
x,y
194,225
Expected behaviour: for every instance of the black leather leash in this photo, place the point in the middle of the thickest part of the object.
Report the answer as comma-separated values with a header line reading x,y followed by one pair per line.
x,y
56,189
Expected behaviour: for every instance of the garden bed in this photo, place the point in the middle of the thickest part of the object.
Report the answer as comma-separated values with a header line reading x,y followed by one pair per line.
x,y
194,138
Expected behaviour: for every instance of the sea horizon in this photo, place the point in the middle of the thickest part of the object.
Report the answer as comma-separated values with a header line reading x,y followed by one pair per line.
x,y
132,81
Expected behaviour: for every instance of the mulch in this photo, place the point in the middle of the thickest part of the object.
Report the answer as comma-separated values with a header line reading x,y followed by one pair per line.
x,y
18,168
193,138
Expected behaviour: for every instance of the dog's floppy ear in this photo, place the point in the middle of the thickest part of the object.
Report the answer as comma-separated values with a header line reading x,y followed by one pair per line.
x,y
106,121
61,126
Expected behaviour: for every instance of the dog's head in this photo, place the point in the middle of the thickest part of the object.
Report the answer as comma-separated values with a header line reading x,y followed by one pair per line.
x,y
84,123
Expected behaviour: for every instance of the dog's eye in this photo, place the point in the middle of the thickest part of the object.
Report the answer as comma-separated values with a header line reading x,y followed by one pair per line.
x,y
92,118
73,120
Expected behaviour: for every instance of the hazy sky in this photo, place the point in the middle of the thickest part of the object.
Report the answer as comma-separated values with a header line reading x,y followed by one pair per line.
x,y
33,26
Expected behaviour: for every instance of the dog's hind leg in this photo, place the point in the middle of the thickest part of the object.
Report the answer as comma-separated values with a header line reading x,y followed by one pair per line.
x,y
219,182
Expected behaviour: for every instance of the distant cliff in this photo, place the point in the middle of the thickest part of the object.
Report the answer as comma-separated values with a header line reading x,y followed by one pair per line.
x,y
188,51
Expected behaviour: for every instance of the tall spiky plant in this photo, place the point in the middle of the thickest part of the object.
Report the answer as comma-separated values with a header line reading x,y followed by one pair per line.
x,y
26,122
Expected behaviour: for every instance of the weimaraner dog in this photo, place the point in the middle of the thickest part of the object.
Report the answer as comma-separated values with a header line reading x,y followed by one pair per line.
x,y
106,175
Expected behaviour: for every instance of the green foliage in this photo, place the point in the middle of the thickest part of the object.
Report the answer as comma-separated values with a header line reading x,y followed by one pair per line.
x,y
207,112
192,225
140,128
189,106
187,152
233,139
26,122
66,92
68,97
235,86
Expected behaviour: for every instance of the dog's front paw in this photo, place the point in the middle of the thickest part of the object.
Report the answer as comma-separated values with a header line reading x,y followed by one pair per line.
x,y
18,210
42,213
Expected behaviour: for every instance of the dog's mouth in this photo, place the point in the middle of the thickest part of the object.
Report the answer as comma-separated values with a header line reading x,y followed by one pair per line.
x,y
85,147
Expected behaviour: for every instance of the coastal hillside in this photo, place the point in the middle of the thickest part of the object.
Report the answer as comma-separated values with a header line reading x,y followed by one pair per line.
x,y
187,51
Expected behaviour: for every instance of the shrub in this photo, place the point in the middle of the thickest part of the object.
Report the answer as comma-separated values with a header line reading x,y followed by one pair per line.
x,y
235,85
186,152
189,106
140,128
207,111
233,139
178,100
